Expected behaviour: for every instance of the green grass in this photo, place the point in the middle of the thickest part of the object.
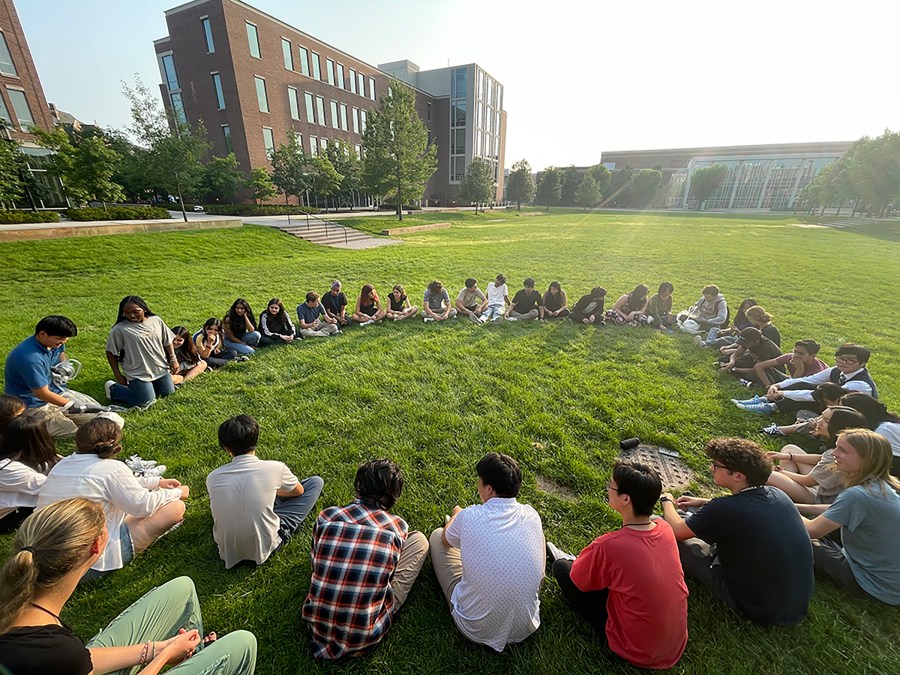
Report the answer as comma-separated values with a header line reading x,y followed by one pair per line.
x,y
558,397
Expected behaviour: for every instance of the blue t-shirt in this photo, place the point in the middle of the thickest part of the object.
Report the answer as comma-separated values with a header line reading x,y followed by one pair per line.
x,y
28,368
309,314
869,516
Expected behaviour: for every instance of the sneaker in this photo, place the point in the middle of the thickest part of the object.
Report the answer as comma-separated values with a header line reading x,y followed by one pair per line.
x,y
242,358
772,430
746,383
749,401
367,323
474,318
497,319
555,553
337,332
482,319
698,341
107,387
512,318
426,319
135,463
758,408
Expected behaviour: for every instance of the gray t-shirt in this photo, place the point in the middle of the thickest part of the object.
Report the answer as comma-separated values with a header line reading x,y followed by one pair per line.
x,y
470,298
869,516
830,482
437,301
144,345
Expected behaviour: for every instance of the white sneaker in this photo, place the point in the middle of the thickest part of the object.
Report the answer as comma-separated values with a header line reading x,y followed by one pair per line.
x,y
135,463
107,387
427,319
482,319
474,318
698,341
512,318
367,323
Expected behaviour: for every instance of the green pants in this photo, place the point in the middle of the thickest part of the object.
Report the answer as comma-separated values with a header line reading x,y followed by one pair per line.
x,y
160,613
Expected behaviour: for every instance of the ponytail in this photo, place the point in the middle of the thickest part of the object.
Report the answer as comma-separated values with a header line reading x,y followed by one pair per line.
x,y
100,436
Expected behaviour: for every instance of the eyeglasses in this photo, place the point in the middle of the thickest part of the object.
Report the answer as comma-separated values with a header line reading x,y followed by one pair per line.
x,y
610,486
716,465
846,359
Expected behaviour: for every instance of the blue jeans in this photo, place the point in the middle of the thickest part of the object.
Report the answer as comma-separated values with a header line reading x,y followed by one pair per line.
x,y
246,345
292,511
138,392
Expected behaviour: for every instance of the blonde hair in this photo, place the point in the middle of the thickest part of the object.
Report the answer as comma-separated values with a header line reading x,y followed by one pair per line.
x,y
875,451
50,543
758,315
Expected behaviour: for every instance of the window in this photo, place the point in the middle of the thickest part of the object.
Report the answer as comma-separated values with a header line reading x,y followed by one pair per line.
x,y
344,116
320,111
313,146
207,33
428,114
4,113
298,139
358,149
334,114
323,144
353,80
226,132
457,168
317,67
356,120
304,60
168,63
362,121
329,71
253,40
294,101
261,98
220,96
269,141
177,108
372,88
288,53
310,112
7,67
361,83
340,76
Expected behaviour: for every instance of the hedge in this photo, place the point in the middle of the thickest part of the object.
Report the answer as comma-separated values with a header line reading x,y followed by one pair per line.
x,y
257,210
118,213
16,217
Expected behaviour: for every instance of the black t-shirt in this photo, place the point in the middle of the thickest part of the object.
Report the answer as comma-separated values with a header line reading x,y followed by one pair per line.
x,y
525,303
773,334
44,649
333,303
397,305
765,350
765,552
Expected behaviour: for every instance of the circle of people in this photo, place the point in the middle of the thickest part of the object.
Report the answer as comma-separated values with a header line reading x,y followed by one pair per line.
x,y
787,514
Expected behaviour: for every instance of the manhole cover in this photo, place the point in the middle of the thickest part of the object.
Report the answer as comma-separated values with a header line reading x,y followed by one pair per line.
x,y
671,468
551,487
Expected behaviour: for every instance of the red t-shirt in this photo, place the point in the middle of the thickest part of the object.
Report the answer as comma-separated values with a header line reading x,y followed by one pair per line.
x,y
647,602
814,367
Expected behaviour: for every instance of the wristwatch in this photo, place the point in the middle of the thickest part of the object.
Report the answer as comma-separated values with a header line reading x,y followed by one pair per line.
x,y
664,499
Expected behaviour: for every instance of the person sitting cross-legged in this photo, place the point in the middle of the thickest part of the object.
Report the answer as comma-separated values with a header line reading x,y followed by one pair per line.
x,y
801,362
364,563
589,308
752,348
527,304
706,316
314,321
750,549
436,303
489,559
472,302
335,304
257,505
628,584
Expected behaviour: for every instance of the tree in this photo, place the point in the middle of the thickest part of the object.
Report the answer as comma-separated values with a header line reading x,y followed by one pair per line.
x,y
602,176
222,180
520,186
615,194
11,186
399,159
260,184
326,181
707,180
570,183
174,152
477,185
346,162
588,194
548,190
642,187
291,171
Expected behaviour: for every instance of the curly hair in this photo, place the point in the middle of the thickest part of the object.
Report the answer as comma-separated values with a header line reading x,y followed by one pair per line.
x,y
739,454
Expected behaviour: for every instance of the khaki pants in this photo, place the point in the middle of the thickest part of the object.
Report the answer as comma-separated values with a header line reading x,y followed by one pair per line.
x,y
59,424
324,330
447,563
412,557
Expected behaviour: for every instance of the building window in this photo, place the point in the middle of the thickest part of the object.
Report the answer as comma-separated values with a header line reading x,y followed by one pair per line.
x,y
168,63
177,108
361,84
329,71
298,139
304,60
356,120
428,114
317,66
358,149
207,33
313,146
362,121
261,98
372,88
334,114
220,96
352,80
226,132
457,168
294,101
323,144
288,53
320,110
7,67
310,111
340,75
4,113
268,141
253,40
344,116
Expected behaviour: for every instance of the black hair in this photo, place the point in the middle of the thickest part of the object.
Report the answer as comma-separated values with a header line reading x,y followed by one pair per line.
x,y
665,287
379,482
844,417
637,297
470,282
501,472
641,483
132,300
861,353
598,292
10,408
187,352
279,321
500,279
435,286
740,316
239,435
828,391
872,409
528,283
210,322
236,322
27,440
811,346
57,326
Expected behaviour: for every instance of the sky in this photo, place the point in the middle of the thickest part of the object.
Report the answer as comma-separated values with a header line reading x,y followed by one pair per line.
x,y
580,76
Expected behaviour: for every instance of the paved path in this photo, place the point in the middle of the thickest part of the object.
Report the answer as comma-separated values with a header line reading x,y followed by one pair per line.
x,y
324,232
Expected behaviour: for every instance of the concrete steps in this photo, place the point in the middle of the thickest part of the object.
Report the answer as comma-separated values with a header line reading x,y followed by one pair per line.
x,y
324,233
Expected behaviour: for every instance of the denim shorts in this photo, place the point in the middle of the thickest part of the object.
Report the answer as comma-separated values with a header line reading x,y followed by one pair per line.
x,y
127,546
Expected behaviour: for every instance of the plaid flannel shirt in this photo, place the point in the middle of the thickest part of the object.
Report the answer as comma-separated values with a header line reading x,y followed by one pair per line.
x,y
350,604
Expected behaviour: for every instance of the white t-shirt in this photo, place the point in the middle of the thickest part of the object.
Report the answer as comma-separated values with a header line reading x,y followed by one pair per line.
x,y
242,500
113,485
19,485
891,431
496,294
501,544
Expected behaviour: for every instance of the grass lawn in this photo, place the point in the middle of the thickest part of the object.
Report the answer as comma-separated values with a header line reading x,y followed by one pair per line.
x,y
557,397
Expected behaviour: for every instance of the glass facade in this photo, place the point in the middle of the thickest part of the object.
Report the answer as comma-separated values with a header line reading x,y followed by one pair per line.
x,y
220,95
207,33
253,40
226,133
178,108
458,119
4,113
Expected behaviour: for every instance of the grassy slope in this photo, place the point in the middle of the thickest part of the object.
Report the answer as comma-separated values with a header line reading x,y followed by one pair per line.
x,y
557,397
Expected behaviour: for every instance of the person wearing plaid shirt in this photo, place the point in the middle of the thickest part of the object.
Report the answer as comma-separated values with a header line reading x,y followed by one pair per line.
x,y
364,563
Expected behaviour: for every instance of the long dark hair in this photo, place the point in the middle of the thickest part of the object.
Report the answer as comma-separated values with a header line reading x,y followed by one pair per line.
x,y
740,318
280,319
132,300
231,317
27,440
10,408
364,295
843,417
637,298
872,409
187,352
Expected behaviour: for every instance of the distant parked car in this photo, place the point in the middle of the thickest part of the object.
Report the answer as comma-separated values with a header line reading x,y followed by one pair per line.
x,y
199,208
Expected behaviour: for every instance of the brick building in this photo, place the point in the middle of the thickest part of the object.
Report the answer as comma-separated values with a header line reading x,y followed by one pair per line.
x,y
253,80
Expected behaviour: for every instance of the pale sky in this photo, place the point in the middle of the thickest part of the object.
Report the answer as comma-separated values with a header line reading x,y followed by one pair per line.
x,y
580,76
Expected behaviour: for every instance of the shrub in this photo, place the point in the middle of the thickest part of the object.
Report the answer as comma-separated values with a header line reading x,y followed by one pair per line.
x,y
257,210
16,217
118,213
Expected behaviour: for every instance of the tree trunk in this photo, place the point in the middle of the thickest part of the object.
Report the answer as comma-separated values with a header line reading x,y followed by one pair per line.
x,y
180,197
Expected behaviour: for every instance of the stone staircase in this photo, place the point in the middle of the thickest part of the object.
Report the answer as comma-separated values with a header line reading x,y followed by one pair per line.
x,y
324,232
841,222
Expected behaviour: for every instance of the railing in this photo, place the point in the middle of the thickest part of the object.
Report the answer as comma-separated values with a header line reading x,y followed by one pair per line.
x,y
326,223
